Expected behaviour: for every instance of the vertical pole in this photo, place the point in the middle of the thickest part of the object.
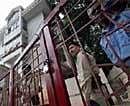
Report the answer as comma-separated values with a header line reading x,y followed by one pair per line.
x,y
11,89
48,77
40,79
62,96
60,24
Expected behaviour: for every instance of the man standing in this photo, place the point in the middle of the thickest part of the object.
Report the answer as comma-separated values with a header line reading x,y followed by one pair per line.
x,y
84,64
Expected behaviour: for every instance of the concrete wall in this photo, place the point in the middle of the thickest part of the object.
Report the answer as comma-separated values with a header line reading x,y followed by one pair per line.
x,y
33,25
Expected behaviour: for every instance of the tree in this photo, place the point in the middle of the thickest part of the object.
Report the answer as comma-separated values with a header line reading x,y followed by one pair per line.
x,y
90,35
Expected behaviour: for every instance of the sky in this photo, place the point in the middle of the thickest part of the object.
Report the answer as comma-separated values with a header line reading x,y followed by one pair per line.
x,y
7,5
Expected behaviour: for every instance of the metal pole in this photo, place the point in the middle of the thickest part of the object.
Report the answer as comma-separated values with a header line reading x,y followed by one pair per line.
x,y
11,89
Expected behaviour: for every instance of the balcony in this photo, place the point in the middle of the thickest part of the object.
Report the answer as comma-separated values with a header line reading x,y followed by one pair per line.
x,y
12,35
11,56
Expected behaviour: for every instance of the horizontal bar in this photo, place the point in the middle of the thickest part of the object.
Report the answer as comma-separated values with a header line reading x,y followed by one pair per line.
x,y
5,75
34,40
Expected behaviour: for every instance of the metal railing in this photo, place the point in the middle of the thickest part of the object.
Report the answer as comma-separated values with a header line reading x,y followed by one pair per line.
x,y
37,77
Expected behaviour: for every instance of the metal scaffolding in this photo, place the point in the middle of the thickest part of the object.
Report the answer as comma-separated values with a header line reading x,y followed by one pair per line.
x,y
37,77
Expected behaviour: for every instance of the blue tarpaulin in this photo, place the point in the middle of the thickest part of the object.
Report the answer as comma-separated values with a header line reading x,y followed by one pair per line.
x,y
118,41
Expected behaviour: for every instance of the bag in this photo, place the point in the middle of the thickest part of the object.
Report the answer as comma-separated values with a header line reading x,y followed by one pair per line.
x,y
117,44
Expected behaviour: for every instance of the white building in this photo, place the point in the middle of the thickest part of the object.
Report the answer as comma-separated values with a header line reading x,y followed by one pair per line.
x,y
22,24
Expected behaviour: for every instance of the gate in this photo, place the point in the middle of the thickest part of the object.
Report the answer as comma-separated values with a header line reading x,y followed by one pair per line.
x,y
45,74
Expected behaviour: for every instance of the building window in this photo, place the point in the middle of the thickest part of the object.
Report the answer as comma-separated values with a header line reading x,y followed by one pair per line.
x,y
24,24
13,22
9,30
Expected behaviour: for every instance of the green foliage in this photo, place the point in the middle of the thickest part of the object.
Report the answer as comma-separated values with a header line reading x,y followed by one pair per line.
x,y
93,43
90,35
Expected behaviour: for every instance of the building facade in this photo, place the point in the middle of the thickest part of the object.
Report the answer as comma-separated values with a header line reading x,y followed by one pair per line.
x,y
22,25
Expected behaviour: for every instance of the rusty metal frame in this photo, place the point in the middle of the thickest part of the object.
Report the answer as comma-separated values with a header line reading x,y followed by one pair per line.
x,y
59,84
105,15
55,81
60,24
62,96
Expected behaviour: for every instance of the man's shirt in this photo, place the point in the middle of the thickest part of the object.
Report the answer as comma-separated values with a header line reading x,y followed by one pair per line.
x,y
84,68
